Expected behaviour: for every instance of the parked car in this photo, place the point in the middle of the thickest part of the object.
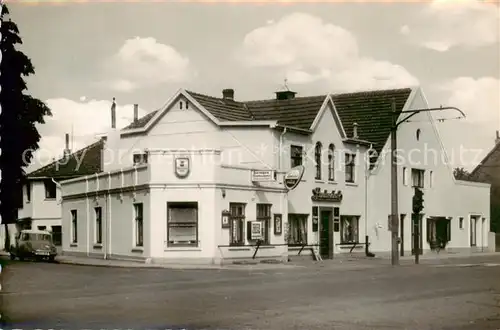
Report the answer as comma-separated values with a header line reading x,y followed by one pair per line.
x,y
33,244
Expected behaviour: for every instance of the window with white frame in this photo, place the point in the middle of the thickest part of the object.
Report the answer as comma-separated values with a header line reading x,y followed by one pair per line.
x,y
417,178
237,223
50,189
350,162
74,226
405,176
331,162
98,225
297,229
138,224
461,223
140,158
264,216
317,160
349,229
296,155
182,224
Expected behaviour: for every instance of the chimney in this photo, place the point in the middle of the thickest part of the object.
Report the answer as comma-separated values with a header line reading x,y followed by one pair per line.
x,y
67,151
228,94
136,112
285,95
113,114
497,140
355,131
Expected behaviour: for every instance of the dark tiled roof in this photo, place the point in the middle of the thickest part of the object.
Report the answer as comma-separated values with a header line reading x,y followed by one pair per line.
x,y
371,111
141,122
90,163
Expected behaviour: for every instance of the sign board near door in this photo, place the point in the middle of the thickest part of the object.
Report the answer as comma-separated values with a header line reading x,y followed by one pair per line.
x,y
293,177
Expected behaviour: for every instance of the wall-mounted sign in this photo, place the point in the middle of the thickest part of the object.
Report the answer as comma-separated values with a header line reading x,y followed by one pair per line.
x,y
278,224
225,219
325,196
255,230
182,167
293,177
263,175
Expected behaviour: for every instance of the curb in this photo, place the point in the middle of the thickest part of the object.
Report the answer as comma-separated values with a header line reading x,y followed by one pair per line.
x,y
139,266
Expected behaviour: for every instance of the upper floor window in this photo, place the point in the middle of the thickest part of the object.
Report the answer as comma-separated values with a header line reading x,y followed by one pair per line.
x,y
140,159
417,177
405,176
317,159
28,191
50,189
296,153
350,167
331,162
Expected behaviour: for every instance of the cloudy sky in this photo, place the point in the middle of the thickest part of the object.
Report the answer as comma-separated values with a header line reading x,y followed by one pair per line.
x,y
86,54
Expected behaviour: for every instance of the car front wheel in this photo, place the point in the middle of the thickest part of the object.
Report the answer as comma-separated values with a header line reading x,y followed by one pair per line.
x,y
12,257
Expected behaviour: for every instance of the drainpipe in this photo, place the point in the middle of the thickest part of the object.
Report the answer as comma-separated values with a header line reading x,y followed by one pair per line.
x,y
87,203
108,207
285,195
60,188
367,174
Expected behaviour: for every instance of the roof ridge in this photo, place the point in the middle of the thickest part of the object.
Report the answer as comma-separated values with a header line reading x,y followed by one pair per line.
x,y
375,91
100,141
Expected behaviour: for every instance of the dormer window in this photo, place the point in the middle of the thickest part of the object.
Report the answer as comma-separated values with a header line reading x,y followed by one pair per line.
x,y
140,159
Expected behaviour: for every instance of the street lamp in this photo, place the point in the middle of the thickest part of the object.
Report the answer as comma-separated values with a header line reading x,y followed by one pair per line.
x,y
394,172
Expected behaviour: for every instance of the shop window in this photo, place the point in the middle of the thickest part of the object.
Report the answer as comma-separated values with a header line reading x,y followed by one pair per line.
x,y
98,225
264,216
182,224
349,229
317,160
138,224
237,222
349,167
50,189
296,153
74,226
417,177
297,229
438,230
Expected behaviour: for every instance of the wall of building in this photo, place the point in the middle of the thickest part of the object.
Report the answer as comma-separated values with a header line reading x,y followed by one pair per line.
x,y
40,208
441,193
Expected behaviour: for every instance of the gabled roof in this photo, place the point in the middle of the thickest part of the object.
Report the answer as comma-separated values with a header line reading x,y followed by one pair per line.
x,y
83,162
487,170
371,110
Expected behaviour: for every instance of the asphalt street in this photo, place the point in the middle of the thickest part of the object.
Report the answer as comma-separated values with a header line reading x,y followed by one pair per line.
x,y
461,294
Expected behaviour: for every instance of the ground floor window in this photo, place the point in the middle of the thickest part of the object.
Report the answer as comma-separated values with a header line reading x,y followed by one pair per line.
x,y
57,235
182,224
74,226
264,216
237,223
349,229
438,231
297,229
139,224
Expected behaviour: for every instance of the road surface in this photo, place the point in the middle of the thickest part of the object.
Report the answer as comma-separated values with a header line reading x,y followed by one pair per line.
x,y
462,294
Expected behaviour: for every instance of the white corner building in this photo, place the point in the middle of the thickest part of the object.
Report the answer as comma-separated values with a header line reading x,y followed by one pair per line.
x,y
202,180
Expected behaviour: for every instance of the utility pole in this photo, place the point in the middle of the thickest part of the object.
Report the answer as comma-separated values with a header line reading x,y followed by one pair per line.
x,y
394,175
394,188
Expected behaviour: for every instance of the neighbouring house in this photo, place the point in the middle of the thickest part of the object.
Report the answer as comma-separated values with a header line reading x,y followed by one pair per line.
x,y
489,171
205,178
41,197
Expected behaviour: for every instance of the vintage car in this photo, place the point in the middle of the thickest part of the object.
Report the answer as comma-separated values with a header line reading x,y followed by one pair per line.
x,y
33,244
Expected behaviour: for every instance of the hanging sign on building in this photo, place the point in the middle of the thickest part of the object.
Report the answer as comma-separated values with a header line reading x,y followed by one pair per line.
x,y
325,196
293,177
182,167
263,175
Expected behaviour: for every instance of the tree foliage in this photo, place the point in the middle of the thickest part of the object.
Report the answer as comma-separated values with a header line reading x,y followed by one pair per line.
x,y
20,114
461,173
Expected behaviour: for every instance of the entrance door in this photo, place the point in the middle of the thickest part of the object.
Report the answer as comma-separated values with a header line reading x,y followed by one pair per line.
x,y
416,228
473,234
326,235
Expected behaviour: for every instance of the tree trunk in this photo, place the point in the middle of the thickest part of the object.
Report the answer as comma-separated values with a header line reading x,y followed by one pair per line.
x,y
7,238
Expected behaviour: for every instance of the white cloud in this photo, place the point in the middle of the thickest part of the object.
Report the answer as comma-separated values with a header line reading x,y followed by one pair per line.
x,y
308,49
479,99
445,24
85,118
144,62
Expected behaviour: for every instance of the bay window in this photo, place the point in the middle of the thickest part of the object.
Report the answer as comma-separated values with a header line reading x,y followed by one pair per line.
x,y
182,224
